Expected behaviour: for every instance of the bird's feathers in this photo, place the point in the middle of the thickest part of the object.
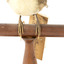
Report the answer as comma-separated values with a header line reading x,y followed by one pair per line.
x,y
7,0
26,7
42,3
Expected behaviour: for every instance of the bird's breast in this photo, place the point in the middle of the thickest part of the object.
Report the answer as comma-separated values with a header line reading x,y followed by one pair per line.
x,y
24,7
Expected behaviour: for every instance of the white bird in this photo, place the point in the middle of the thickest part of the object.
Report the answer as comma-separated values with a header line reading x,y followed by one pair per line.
x,y
27,8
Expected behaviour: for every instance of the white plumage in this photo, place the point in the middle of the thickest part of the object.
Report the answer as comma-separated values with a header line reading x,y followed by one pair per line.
x,y
27,7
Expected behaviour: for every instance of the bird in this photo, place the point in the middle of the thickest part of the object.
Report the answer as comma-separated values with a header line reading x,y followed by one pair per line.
x,y
28,8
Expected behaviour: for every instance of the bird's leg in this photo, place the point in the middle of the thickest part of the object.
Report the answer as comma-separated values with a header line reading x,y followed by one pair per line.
x,y
20,27
38,27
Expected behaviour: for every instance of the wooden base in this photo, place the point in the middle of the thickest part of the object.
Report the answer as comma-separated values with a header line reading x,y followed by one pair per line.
x,y
29,57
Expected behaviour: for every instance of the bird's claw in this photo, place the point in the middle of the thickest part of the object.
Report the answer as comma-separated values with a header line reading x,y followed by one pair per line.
x,y
20,27
38,27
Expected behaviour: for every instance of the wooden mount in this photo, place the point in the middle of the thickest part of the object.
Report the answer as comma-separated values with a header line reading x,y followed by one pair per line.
x,y
29,56
29,30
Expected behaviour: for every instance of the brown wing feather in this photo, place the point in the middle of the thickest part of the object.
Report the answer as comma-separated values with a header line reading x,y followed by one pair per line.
x,y
42,3
7,0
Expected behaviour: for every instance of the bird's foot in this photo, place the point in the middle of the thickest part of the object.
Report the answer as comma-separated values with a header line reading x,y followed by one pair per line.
x,y
20,27
38,27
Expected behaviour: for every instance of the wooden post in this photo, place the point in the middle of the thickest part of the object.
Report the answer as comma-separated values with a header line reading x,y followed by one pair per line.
x,y
29,56
29,31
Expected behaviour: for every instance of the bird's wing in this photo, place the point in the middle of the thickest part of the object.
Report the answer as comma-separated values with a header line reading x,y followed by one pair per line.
x,y
42,3
7,0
